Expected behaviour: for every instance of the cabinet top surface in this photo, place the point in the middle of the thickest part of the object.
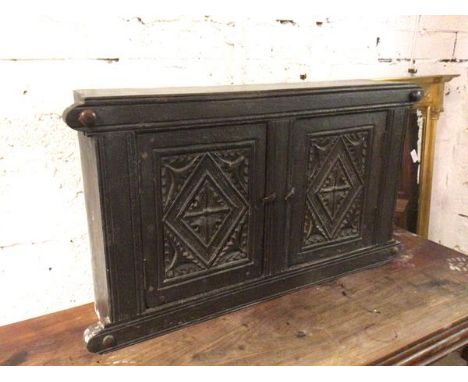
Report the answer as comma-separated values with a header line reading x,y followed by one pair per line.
x,y
260,89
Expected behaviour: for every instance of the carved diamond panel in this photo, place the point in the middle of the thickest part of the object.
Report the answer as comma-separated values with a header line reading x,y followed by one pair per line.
x,y
335,178
205,211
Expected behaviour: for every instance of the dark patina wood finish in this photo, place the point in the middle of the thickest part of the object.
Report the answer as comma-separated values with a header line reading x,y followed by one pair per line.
x,y
410,311
203,200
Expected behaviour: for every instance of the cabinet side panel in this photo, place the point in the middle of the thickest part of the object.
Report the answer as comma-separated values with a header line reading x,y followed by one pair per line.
x,y
116,167
89,165
397,122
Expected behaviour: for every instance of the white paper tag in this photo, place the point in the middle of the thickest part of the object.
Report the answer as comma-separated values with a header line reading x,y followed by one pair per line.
x,y
414,156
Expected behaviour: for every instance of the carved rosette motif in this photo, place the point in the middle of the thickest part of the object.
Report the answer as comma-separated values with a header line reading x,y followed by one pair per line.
x,y
205,211
335,179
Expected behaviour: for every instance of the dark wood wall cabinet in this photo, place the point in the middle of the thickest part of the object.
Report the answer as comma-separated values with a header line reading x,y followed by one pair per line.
x,y
203,200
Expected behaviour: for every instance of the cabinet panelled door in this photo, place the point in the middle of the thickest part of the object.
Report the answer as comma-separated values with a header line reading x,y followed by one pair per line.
x,y
203,218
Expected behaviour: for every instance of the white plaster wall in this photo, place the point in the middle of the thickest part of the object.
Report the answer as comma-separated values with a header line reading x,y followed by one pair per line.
x,y
44,251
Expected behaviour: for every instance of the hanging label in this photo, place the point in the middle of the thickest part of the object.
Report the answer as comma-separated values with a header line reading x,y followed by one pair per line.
x,y
414,156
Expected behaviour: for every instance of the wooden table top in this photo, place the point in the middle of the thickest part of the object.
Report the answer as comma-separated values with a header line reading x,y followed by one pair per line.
x,y
413,310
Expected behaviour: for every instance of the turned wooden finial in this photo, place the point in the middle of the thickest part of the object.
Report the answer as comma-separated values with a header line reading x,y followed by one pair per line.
x,y
87,118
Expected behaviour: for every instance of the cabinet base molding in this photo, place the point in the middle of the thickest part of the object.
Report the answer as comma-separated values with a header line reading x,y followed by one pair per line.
x,y
102,339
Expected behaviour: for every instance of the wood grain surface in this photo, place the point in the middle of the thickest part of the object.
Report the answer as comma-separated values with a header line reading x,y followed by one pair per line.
x,y
413,310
